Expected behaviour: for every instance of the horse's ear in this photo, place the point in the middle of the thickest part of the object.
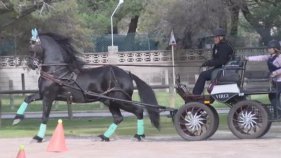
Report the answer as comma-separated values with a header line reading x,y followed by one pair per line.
x,y
34,34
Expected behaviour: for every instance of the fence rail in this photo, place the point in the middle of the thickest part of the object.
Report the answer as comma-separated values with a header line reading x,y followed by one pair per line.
x,y
63,114
154,57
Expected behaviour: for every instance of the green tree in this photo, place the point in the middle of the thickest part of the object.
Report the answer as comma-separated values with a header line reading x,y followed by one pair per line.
x,y
96,15
262,15
47,16
190,20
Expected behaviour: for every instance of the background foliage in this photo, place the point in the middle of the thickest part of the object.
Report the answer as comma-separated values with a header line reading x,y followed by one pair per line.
x,y
249,23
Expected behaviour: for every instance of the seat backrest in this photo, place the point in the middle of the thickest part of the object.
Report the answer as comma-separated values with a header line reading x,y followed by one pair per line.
x,y
229,76
215,73
230,73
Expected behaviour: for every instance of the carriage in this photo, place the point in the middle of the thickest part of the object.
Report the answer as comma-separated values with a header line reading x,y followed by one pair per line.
x,y
63,78
247,119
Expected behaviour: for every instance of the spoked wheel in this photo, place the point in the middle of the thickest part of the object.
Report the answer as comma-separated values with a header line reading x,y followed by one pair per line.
x,y
195,121
248,120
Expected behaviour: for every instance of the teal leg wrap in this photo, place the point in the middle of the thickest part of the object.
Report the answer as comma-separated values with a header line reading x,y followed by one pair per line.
x,y
22,108
140,130
42,130
110,130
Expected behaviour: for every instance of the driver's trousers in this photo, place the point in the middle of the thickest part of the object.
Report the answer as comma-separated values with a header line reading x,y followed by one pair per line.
x,y
200,83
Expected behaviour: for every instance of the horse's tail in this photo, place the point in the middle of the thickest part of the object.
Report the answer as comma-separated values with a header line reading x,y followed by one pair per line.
x,y
147,96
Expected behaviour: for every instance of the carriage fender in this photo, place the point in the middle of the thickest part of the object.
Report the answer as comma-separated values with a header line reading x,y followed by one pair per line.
x,y
225,92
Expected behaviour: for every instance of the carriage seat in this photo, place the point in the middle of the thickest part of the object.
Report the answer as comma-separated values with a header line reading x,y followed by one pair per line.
x,y
228,74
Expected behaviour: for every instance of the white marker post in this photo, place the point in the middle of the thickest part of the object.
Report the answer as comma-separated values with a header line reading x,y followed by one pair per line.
x,y
112,48
173,43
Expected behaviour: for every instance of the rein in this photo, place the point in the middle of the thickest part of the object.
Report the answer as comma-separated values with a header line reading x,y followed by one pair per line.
x,y
61,64
50,77
103,95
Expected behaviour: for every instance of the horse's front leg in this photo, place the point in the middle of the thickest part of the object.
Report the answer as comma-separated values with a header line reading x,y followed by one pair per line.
x,y
47,106
20,112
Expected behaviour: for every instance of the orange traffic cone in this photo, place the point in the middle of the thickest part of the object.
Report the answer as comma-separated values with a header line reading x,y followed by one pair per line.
x,y
57,142
21,153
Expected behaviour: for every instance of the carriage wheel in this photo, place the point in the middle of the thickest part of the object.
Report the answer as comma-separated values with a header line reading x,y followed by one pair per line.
x,y
248,120
196,121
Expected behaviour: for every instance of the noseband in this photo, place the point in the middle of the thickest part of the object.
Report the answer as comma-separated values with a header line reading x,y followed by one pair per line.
x,y
34,60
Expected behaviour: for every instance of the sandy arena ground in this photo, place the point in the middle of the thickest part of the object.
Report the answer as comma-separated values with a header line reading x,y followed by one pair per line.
x,y
222,145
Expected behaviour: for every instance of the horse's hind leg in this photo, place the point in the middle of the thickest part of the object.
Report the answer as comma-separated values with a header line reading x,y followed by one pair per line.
x,y
138,111
117,119
47,105
20,112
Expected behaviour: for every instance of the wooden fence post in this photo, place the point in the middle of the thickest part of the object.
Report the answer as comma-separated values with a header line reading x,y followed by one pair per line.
x,y
171,89
11,87
0,111
69,109
23,83
166,74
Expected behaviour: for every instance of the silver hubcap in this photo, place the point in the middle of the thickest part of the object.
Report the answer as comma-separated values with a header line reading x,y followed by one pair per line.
x,y
247,119
194,121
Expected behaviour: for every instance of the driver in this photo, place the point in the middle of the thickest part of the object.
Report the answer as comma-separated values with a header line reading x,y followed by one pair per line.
x,y
274,66
222,53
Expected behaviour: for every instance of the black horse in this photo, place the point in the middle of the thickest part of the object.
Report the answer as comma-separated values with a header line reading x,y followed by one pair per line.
x,y
63,78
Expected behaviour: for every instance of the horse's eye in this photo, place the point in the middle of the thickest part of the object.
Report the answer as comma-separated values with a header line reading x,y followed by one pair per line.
x,y
32,42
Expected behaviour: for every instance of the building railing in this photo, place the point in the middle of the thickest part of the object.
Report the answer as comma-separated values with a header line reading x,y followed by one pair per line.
x,y
136,57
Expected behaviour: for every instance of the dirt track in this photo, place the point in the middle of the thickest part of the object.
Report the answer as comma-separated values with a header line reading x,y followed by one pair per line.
x,y
222,144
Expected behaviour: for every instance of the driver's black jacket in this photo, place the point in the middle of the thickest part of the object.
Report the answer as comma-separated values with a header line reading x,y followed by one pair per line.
x,y
222,53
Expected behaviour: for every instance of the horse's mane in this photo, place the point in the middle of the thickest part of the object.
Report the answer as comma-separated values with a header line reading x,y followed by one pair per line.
x,y
65,43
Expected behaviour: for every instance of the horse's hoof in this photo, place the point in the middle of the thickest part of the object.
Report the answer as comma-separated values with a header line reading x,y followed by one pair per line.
x,y
103,138
139,137
38,139
18,118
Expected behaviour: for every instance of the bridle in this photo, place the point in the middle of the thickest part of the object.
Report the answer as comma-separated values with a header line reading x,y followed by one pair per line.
x,y
37,61
33,59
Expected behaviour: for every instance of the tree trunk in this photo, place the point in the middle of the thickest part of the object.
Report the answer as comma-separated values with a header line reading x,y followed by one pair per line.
x,y
130,38
234,20
133,24
187,40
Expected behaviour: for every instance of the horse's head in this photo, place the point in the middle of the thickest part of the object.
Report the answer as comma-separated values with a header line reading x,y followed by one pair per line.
x,y
52,50
36,51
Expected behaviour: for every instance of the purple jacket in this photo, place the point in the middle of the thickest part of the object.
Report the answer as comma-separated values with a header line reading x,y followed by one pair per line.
x,y
276,62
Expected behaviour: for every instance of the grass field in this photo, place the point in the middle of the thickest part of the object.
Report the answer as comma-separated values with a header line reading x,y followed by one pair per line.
x,y
162,97
93,127
90,127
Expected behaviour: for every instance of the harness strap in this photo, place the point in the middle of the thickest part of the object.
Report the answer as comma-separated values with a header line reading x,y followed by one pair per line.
x,y
48,76
116,86
116,89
